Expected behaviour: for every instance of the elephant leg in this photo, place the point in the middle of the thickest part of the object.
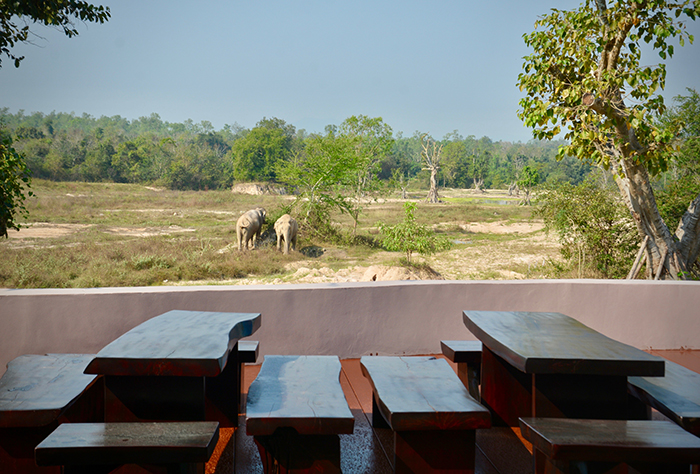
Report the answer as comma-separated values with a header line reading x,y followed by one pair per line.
x,y
247,238
279,241
294,243
240,238
286,243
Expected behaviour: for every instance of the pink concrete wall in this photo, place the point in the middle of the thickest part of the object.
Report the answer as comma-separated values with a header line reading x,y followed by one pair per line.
x,y
351,319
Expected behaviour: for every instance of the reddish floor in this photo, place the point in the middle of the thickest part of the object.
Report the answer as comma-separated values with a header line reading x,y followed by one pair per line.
x,y
367,450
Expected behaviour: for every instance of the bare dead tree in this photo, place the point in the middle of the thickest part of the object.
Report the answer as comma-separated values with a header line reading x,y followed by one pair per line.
x,y
431,159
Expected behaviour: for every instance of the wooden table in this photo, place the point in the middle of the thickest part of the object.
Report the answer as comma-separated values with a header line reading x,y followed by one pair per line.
x,y
38,393
551,365
179,366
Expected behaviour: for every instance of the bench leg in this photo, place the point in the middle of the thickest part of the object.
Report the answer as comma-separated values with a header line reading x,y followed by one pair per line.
x,y
286,451
378,420
17,450
543,465
434,451
470,376
17,444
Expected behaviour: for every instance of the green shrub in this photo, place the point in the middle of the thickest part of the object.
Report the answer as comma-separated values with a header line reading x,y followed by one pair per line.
x,y
594,227
409,236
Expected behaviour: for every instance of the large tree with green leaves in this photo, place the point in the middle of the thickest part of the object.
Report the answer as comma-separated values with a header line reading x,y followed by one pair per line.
x,y
14,182
586,78
371,140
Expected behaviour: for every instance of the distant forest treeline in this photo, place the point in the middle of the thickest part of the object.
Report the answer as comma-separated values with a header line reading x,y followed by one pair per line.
x,y
188,155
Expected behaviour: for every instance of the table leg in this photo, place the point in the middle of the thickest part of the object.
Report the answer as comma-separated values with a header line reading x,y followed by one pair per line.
x,y
505,390
154,398
223,393
580,396
510,394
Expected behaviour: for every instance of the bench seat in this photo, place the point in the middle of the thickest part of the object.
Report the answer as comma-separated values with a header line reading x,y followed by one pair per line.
x,y
39,392
573,445
467,356
676,395
176,447
295,411
429,410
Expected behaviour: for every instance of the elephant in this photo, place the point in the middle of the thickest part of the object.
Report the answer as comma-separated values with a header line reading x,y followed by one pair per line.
x,y
249,226
286,228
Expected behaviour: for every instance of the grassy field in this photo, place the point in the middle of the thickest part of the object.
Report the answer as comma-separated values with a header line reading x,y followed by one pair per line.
x,y
99,235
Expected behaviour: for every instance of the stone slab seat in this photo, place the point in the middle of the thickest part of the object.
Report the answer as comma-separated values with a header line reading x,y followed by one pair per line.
x,y
37,394
676,395
295,411
564,445
467,356
430,411
172,447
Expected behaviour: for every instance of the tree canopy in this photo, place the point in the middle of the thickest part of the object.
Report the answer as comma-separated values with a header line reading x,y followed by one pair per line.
x,y
585,78
15,15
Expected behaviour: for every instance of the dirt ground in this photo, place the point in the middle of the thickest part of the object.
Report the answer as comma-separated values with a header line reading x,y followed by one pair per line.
x,y
524,257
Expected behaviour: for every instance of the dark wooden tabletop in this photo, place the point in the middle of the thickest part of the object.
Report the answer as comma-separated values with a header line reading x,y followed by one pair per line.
x,y
36,389
120,443
181,343
553,343
301,392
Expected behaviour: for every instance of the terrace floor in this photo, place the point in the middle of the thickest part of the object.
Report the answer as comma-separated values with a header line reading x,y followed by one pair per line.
x,y
368,450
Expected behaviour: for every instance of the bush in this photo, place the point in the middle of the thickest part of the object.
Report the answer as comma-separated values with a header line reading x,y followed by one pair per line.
x,y
594,228
408,236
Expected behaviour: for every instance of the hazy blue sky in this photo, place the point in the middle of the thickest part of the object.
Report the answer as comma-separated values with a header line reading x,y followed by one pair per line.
x,y
427,65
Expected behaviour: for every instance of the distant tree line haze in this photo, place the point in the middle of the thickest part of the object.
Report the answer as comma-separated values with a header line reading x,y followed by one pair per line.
x,y
67,147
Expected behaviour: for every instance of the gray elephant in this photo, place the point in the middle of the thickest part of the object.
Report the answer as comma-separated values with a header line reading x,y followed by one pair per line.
x,y
286,229
249,226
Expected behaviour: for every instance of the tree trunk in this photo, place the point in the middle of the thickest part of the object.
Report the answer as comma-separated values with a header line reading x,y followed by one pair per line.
x,y
673,254
433,193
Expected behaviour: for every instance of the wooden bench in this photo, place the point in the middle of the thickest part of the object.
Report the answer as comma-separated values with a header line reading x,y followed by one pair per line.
x,y
467,356
430,411
37,393
247,353
565,445
676,395
170,447
295,411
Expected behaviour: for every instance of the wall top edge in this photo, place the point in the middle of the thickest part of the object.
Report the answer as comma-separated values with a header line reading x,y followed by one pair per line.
x,y
6,292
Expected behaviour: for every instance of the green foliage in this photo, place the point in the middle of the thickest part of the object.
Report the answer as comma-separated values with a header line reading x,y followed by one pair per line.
x,y
372,141
529,178
319,176
336,171
58,13
585,61
60,146
256,155
14,183
595,230
673,199
683,177
409,236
